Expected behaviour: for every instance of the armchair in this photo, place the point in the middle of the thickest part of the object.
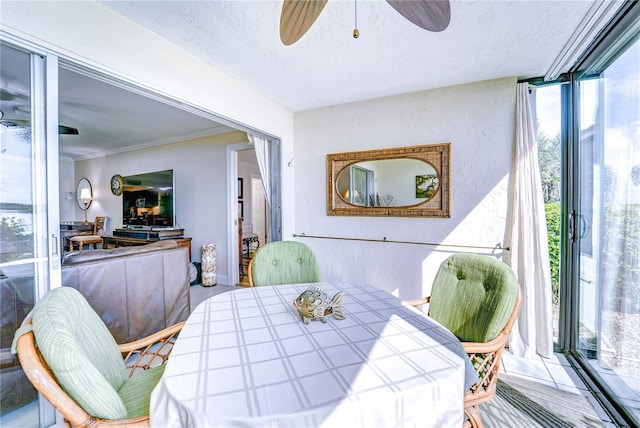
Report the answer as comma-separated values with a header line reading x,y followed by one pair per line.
x,y
70,357
92,240
283,262
478,299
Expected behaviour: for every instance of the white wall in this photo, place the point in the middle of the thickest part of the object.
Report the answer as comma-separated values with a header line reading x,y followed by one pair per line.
x,y
200,176
67,183
478,119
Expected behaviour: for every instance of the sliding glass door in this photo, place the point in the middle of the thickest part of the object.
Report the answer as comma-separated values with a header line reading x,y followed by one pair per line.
x,y
29,249
606,231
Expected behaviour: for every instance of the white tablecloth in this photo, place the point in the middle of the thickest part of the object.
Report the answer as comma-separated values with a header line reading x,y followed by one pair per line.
x,y
244,358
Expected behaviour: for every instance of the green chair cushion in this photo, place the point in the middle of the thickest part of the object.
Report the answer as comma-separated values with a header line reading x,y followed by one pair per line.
x,y
473,296
81,352
285,262
136,391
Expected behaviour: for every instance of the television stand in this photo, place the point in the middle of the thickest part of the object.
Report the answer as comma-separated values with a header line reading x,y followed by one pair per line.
x,y
134,237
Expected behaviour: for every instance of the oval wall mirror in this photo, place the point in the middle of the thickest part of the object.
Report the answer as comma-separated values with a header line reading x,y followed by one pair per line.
x,y
84,194
396,182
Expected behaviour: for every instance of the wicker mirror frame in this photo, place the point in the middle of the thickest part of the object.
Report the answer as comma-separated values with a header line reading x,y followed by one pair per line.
x,y
437,155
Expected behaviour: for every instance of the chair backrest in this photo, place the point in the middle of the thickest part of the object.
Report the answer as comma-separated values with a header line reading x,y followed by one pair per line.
x,y
473,296
284,262
99,225
79,350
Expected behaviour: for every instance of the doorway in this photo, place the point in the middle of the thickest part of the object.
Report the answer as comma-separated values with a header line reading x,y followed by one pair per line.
x,y
251,211
253,221
259,209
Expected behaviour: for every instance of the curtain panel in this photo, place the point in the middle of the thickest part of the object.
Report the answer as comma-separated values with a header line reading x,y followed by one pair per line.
x,y
529,256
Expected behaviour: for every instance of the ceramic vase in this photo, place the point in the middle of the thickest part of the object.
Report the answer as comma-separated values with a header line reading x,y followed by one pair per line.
x,y
209,276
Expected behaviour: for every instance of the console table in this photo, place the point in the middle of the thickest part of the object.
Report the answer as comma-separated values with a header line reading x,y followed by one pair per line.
x,y
125,241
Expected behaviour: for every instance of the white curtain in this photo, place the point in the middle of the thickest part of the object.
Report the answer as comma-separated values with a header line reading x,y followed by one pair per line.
x,y
529,255
261,145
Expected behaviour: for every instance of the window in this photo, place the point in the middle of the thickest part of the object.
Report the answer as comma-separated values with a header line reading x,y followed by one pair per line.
x,y
548,112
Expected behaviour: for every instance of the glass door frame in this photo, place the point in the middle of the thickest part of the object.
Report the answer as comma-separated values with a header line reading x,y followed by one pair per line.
x,y
605,49
45,180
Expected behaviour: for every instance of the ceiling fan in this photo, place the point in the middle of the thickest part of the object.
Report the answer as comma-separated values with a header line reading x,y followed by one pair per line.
x,y
12,123
298,16
9,102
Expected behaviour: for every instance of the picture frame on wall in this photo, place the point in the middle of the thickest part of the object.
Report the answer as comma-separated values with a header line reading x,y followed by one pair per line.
x,y
240,188
240,209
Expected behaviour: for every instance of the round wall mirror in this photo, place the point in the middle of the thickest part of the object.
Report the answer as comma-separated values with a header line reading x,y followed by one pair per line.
x,y
84,194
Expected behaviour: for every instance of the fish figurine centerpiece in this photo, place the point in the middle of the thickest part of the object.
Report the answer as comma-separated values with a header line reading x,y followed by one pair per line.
x,y
314,304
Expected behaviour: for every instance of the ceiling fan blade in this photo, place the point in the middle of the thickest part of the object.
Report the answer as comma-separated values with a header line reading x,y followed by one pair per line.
x,y
297,17
432,15
16,123
67,130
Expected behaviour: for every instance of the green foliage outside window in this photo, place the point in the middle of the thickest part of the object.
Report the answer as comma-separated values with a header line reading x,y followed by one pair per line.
x,y
14,239
552,212
549,161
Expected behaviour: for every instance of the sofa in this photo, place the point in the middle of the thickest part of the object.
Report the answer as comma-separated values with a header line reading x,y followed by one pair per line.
x,y
137,291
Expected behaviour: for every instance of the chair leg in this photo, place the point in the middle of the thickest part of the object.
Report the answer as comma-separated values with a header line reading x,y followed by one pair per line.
x,y
472,416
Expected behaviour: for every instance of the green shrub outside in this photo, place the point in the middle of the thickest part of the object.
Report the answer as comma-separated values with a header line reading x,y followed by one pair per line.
x,y
14,240
552,212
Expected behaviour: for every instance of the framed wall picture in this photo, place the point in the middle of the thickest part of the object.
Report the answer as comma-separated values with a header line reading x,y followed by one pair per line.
x,y
240,209
240,186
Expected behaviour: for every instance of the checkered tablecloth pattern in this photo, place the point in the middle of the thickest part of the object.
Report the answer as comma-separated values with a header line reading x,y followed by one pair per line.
x,y
244,358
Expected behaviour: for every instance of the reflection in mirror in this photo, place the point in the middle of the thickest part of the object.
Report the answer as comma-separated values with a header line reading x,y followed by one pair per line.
x,y
396,182
84,194
387,183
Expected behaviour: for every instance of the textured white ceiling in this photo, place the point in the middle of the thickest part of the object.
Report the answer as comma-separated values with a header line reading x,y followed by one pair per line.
x,y
485,40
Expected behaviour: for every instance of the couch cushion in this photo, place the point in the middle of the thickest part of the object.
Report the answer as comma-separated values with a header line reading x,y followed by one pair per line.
x,y
75,257
473,296
81,352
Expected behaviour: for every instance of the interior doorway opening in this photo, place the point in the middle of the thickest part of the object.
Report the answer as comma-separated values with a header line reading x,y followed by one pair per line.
x,y
253,220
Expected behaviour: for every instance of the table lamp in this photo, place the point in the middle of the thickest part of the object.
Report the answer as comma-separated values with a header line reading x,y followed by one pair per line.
x,y
85,197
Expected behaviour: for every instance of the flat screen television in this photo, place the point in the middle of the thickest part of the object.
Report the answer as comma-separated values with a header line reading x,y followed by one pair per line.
x,y
147,200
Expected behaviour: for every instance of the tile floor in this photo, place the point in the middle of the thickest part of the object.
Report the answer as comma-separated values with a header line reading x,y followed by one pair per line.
x,y
555,372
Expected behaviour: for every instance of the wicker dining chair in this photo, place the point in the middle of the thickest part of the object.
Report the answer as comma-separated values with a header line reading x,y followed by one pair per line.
x,y
283,262
96,238
477,298
68,354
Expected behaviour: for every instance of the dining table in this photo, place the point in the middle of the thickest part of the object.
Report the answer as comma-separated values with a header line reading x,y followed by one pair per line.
x,y
244,358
